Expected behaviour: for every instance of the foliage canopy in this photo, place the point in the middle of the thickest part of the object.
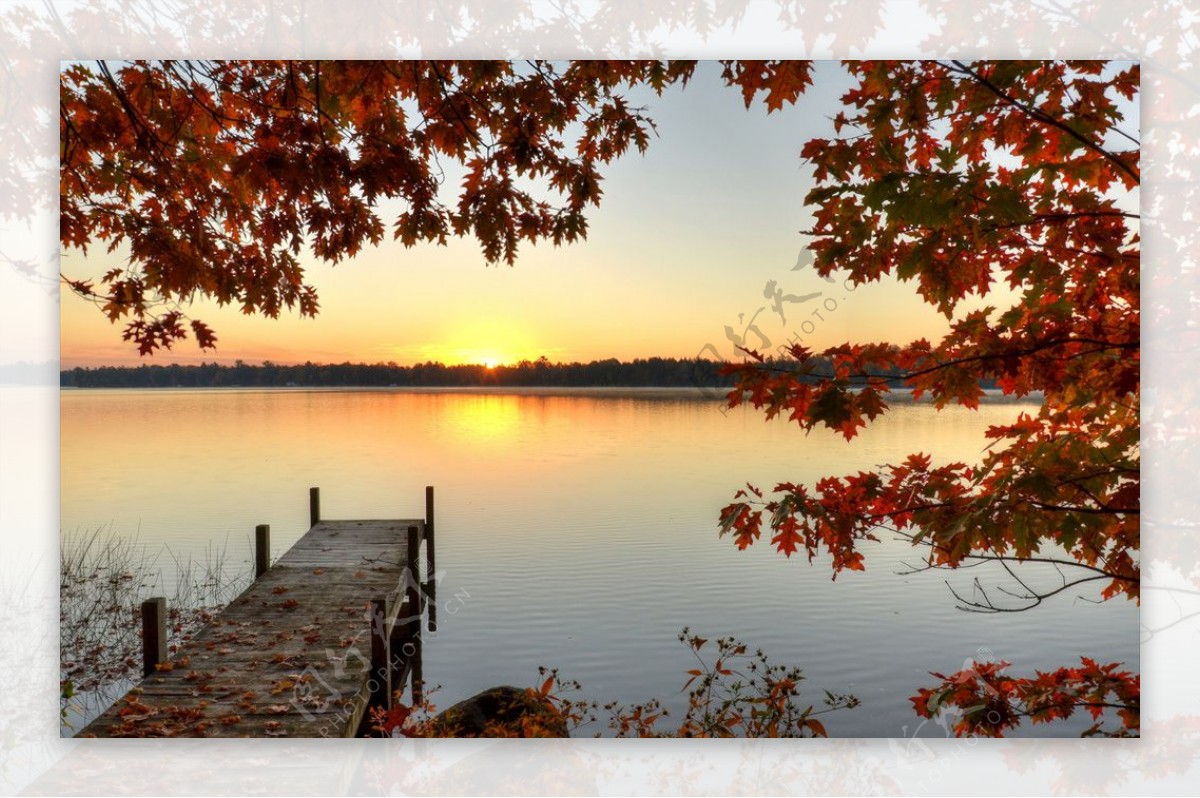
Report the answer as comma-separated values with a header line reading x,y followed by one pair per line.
x,y
216,175
958,177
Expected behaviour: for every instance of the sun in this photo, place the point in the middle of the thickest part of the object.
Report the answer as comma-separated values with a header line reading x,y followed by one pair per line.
x,y
490,358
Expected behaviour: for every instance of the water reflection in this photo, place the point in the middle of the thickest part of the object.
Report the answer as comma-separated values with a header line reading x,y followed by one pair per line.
x,y
479,420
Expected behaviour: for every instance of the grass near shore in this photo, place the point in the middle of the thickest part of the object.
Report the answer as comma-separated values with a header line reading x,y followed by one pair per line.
x,y
103,580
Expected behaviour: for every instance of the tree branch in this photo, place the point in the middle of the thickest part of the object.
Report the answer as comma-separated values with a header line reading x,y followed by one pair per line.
x,y
1045,118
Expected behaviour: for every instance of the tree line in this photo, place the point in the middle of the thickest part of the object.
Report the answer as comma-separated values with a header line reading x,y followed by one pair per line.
x,y
654,372
642,372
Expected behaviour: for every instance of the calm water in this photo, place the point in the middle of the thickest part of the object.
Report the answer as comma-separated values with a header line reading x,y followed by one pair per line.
x,y
576,531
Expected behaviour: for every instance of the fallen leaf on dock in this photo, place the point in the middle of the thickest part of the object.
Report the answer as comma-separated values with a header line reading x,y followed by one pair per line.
x,y
282,686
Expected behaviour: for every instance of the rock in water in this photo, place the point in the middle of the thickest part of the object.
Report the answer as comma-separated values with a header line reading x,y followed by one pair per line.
x,y
501,712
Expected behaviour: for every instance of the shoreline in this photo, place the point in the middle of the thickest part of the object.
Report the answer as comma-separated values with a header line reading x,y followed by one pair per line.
x,y
716,395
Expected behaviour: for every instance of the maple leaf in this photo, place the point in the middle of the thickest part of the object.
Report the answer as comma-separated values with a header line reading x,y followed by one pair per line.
x,y
787,537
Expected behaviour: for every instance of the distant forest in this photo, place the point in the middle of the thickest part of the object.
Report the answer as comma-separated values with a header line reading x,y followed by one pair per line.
x,y
654,372
650,372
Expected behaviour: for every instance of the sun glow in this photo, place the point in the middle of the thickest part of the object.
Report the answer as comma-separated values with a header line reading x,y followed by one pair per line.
x,y
474,421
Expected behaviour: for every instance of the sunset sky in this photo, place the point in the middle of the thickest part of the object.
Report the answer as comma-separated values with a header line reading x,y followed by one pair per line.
x,y
683,245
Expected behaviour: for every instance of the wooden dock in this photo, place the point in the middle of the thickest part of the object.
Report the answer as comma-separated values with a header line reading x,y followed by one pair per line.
x,y
321,636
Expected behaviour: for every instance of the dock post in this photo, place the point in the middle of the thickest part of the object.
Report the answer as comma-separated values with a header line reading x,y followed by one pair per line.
x,y
262,549
430,561
380,683
415,599
154,634
418,677
314,506
412,582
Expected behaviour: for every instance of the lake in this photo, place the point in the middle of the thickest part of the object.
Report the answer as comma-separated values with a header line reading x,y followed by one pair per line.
x,y
577,530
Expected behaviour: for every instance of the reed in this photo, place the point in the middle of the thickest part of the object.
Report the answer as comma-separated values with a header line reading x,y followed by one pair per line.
x,y
103,579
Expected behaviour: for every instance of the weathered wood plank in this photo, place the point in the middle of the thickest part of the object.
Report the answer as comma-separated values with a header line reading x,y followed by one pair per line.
x,y
290,656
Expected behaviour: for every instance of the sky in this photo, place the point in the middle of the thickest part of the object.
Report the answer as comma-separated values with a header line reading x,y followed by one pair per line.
x,y
685,241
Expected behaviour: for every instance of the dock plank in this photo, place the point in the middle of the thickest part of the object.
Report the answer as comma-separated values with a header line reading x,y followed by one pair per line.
x,y
290,656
